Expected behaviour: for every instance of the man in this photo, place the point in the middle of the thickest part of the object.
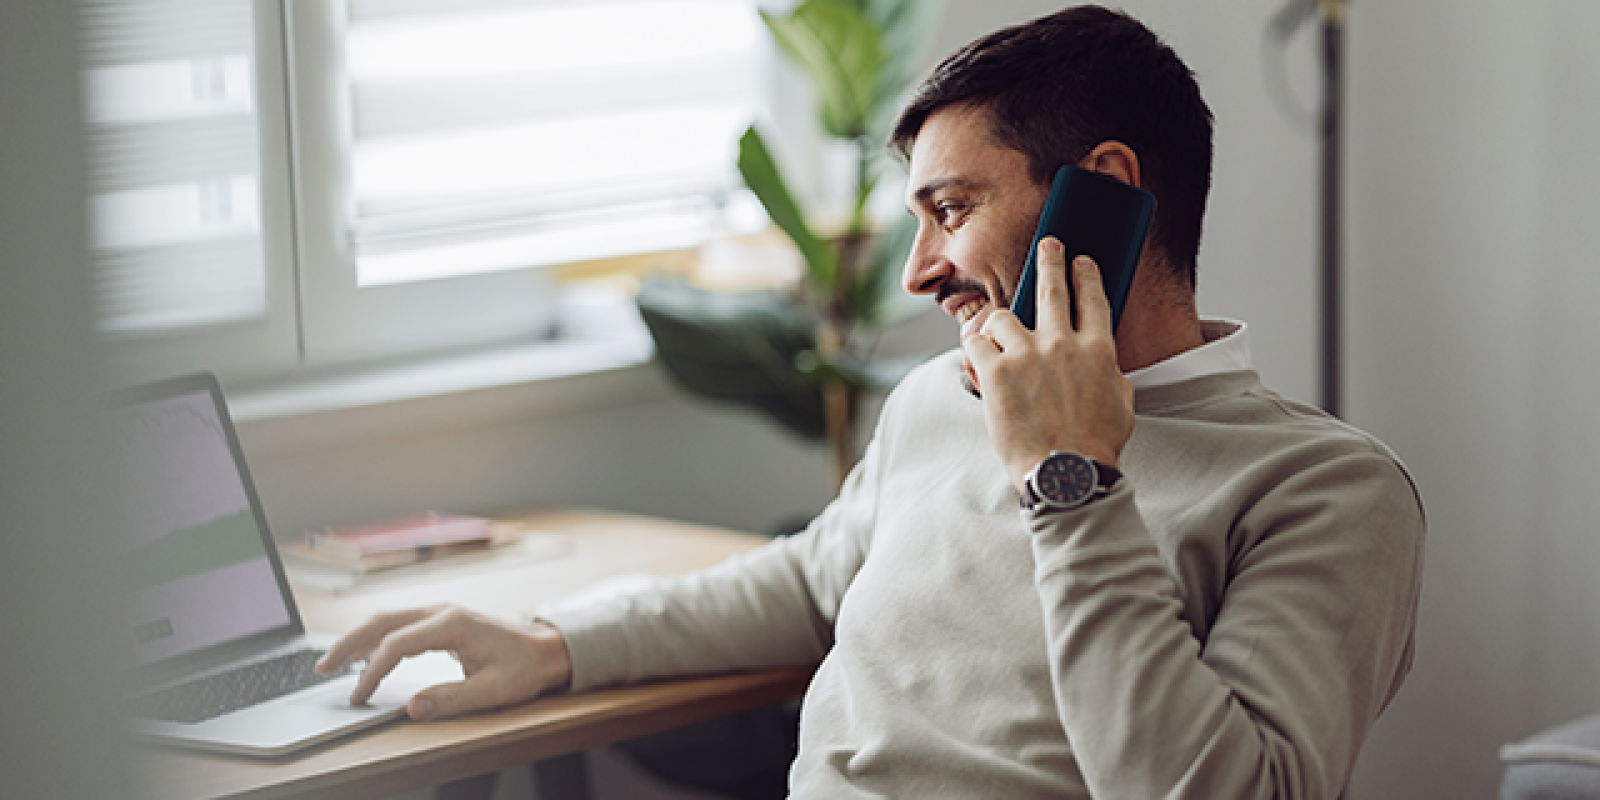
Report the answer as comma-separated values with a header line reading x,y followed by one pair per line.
x,y
1221,610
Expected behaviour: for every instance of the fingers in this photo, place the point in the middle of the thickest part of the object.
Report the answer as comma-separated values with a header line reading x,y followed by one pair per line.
x,y
1055,301
361,641
433,631
504,662
984,344
1002,330
1094,310
484,689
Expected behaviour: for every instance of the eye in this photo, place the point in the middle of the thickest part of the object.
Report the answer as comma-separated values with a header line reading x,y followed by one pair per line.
x,y
949,213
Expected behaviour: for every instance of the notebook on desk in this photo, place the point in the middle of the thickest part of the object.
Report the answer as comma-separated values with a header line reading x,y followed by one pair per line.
x,y
218,657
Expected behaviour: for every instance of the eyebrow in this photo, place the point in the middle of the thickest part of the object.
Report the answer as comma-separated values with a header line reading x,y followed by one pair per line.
x,y
932,187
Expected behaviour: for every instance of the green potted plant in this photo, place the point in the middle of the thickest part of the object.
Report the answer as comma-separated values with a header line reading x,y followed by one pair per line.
x,y
801,356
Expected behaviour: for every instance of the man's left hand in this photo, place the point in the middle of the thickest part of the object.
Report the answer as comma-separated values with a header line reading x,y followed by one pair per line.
x,y
1056,387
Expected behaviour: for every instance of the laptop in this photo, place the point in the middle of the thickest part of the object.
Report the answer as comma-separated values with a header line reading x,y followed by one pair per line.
x,y
216,653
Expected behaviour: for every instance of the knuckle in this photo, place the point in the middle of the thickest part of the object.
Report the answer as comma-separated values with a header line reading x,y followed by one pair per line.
x,y
1054,346
1101,345
1004,370
385,652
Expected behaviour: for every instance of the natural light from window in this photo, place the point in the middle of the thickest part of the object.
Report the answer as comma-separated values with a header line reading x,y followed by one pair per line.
x,y
553,40
493,140
175,200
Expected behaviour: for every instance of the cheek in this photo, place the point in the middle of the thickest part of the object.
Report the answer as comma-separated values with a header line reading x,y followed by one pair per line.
x,y
990,257
1009,255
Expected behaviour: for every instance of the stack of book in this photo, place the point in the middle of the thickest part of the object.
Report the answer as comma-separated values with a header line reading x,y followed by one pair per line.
x,y
399,542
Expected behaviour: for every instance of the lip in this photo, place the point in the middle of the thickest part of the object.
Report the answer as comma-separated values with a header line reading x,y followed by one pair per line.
x,y
965,306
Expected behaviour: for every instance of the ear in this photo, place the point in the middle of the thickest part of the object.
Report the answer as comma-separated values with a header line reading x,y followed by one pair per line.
x,y
1115,159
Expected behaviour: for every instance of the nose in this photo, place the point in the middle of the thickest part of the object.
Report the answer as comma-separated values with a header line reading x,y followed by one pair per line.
x,y
926,267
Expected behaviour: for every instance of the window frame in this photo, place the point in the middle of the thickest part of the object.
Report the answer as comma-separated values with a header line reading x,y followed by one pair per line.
x,y
318,324
342,322
265,345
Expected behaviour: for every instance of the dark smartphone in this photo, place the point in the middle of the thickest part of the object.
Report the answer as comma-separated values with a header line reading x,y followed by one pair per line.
x,y
1094,215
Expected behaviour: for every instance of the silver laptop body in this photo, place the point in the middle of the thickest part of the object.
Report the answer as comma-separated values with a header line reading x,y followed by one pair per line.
x,y
205,591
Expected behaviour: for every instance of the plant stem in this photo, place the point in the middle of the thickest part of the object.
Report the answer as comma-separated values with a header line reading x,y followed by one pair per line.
x,y
836,403
864,185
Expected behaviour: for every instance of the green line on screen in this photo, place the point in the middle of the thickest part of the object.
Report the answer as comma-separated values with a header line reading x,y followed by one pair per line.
x,y
222,542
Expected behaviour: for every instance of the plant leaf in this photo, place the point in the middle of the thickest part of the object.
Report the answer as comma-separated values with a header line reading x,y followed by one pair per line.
x,y
908,26
876,282
737,348
846,370
761,174
843,52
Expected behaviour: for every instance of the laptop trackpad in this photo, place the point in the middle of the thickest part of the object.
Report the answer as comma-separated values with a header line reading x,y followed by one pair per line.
x,y
415,674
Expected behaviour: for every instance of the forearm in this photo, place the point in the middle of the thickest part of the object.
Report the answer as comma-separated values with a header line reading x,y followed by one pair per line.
x,y
1305,648
752,611
1145,716
773,606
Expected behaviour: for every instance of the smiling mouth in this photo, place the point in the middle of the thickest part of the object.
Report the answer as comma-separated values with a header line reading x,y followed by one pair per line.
x,y
968,310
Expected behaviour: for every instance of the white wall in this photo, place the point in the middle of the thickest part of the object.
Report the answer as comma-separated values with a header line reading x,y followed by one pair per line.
x,y
628,441
1473,273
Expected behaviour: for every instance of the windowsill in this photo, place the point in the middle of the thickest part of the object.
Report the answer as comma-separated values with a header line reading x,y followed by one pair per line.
x,y
596,360
603,359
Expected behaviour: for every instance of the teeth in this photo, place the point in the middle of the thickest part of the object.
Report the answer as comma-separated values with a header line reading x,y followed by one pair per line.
x,y
968,311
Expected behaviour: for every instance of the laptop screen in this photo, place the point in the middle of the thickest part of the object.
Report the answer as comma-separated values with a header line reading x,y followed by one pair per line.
x,y
198,569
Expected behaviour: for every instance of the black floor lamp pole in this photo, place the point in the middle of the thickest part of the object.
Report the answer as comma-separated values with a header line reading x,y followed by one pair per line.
x,y
1333,16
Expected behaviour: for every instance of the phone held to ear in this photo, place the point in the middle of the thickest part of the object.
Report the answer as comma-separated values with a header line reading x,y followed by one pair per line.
x,y
1094,215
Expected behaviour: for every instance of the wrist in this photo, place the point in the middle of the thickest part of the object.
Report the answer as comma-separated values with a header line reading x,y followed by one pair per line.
x,y
1020,468
1065,480
551,656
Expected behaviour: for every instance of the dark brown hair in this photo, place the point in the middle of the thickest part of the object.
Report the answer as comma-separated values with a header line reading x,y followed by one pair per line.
x,y
1060,85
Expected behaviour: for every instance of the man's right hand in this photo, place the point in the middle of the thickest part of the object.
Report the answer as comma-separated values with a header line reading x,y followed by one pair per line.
x,y
504,663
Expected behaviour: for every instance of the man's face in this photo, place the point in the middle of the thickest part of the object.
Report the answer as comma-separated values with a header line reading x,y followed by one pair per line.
x,y
976,208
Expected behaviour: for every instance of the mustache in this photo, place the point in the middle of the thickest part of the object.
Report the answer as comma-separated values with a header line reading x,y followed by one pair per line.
x,y
959,285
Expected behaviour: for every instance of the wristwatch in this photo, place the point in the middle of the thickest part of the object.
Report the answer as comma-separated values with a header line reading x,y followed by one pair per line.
x,y
1066,480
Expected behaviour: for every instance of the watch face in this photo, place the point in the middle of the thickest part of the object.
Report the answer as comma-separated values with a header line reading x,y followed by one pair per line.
x,y
1066,479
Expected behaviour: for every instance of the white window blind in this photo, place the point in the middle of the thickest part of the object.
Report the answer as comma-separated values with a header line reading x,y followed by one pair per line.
x,y
496,134
174,159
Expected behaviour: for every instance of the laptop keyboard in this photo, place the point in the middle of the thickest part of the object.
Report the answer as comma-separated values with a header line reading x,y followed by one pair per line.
x,y
241,687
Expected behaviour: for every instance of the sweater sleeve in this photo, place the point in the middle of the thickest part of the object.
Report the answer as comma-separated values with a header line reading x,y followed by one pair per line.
x,y
1272,699
773,606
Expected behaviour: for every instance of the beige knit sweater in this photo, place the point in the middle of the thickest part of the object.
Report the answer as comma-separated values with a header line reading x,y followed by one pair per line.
x,y
1227,623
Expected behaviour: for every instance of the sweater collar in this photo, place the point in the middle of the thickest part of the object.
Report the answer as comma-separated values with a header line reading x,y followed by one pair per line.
x,y
1227,349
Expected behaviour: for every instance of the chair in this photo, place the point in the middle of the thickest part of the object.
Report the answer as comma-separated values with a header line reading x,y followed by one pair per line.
x,y
1562,763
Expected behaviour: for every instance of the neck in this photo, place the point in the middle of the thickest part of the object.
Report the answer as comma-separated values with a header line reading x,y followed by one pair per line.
x,y
1157,324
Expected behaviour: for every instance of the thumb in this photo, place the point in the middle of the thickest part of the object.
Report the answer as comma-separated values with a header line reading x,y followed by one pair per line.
x,y
423,706
448,699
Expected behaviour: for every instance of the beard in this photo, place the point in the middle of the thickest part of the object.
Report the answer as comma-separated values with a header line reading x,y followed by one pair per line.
x,y
959,284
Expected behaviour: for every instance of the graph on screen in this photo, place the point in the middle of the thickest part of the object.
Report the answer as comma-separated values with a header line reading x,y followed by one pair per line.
x,y
195,566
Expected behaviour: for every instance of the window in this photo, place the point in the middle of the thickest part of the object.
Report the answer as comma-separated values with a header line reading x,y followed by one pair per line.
x,y
540,133
188,184
312,183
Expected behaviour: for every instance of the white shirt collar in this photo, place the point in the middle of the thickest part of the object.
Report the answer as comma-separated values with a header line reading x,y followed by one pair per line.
x,y
1227,349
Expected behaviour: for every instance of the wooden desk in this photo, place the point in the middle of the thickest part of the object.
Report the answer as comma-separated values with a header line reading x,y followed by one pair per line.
x,y
410,755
